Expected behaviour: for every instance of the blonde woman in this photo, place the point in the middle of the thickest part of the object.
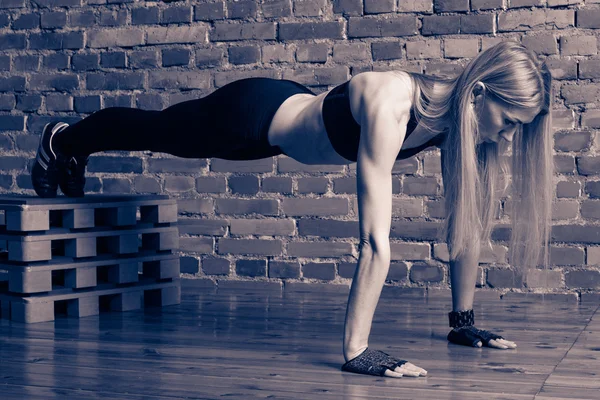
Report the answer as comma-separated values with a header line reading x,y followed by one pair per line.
x,y
501,98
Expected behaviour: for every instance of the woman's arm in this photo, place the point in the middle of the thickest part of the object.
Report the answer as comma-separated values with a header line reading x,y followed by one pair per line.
x,y
382,135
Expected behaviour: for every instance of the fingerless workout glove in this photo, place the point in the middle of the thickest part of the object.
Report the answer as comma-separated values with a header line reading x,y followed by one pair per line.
x,y
464,332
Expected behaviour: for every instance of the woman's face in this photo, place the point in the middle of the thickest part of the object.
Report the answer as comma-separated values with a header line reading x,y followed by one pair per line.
x,y
498,121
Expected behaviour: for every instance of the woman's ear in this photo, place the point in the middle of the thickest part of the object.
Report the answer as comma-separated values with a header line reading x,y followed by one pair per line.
x,y
478,91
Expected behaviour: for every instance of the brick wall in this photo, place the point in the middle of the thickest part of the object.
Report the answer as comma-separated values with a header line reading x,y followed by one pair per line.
x,y
275,220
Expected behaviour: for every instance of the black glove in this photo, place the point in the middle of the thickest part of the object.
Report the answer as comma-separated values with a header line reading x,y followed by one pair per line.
x,y
469,336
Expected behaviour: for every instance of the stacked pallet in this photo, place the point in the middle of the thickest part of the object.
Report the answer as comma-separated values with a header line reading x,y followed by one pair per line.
x,y
82,255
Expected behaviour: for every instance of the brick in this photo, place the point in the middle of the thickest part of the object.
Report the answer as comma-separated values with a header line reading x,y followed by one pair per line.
x,y
583,93
419,230
115,81
250,166
314,77
348,7
386,51
311,30
60,82
589,69
175,165
310,8
12,84
176,184
566,256
210,57
244,54
379,6
58,3
560,19
113,18
328,228
85,18
26,63
216,266
188,265
143,59
590,209
242,9
559,3
421,272
423,49
572,141
56,41
461,48
277,53
27,21
591,119
593,189
112,164
313,185
450,5
322,271
209,11
593,255
563,69
171,57
276,8
85,62
7,102
317,207
176,34
312,52
243,206
178,80
563,119
544,44
29,102
503,277
409,251
87,104
113,59
250,246
56,19
149,101
441,25
582,279
589,18
145,16
246,31
12,41
375,27
246,184
176,14
481,23
588,165
284,270
196,245
576,233
144,184
117,101
251,268
568,189
319,249
11,123
524,3
421,186
536,278
211,185
277,185
486,4
578,45
59,102
12,4
349,52
521,20
207,227
128,37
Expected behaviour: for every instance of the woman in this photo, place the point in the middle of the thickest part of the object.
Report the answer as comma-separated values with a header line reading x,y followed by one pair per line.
x,y
502,97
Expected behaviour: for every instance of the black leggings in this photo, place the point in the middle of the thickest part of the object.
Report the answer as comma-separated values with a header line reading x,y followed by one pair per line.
x,y
230,123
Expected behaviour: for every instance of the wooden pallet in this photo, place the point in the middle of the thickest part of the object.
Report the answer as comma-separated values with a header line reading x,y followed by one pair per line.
x,y
64,272
28,214
43,246
42,308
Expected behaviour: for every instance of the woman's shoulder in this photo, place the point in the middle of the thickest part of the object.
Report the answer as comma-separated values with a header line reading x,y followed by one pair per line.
x,y
381,89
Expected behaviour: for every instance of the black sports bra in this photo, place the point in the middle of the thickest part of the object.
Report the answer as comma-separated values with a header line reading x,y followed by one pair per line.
x,y
344,132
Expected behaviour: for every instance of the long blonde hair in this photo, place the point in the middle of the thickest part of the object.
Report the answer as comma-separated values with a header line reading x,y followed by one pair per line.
x,y
513,74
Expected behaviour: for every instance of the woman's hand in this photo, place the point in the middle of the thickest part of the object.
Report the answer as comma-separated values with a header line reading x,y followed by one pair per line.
x,y
471,336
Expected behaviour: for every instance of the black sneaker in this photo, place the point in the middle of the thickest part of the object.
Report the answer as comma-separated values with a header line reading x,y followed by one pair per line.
x,y
45,171
71,178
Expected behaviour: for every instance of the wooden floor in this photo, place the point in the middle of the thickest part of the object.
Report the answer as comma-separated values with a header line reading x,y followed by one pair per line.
x,y
245,344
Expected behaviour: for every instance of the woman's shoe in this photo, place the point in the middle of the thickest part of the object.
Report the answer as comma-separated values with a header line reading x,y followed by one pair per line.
x,y
45,170
71,177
